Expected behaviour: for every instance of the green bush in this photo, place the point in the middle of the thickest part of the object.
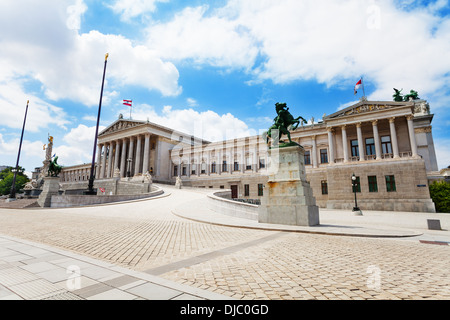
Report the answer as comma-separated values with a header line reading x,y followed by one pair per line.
x,y
6,178
440,194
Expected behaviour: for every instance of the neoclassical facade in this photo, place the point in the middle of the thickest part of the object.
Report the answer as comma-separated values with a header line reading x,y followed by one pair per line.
x,y
387,145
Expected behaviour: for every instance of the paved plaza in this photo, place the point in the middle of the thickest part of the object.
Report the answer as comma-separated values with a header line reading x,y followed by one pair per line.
x,y
174,247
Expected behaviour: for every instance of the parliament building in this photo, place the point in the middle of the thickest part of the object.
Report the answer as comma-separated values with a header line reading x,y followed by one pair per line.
x,y
387,145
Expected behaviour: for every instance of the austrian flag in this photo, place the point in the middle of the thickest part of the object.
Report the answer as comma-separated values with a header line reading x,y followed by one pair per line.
x,y
127,102
358,85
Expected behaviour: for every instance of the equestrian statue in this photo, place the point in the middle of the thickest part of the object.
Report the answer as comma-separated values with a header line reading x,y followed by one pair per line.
x,y
54,168
283,123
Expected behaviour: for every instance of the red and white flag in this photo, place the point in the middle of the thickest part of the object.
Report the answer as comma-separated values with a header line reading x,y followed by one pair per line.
x,y
358,85
102,190
127,102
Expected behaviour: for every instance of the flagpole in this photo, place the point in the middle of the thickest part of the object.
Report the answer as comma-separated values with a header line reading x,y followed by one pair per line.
x,y
12,194
91,178
362,82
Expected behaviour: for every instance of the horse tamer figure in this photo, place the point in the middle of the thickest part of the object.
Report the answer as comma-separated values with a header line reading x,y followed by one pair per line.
x,y
54,168
283,122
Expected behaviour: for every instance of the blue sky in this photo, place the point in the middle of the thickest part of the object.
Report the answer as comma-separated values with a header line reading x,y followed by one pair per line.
x,y
210,68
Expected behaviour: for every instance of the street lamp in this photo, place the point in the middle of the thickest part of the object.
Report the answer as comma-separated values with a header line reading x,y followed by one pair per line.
x,y
129,160
355,209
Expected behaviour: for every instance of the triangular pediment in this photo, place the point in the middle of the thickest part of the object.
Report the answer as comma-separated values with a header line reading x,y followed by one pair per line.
x,y
367,107
119,125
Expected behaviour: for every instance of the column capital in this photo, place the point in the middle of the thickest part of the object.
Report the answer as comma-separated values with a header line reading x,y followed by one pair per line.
x,y
392,120
358,124
343,127
409,117
313,137
330,129
374,122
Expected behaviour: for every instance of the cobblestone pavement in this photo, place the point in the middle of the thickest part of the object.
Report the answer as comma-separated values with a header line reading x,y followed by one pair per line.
x,y
238,262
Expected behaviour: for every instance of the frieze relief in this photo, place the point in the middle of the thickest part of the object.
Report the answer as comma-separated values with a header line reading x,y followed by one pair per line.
x,y
366,108
121,126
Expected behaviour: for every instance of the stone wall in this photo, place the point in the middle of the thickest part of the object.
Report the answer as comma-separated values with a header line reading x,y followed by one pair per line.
x,y
220,202
66,201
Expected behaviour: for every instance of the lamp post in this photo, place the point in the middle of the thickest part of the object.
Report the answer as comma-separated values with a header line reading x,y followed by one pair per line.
x,y
12,194
91,190
355,209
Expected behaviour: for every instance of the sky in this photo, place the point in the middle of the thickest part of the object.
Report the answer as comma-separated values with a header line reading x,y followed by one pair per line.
x,y
214,69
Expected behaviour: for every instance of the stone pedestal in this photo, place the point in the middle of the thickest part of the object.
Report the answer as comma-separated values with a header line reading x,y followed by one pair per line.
x,y
50,188
288,197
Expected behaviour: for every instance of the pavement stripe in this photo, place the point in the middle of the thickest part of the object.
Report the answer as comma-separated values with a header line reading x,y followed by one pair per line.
x,y
208,256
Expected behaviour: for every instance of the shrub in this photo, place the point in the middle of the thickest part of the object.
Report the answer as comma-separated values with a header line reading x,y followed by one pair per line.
x,y
440,194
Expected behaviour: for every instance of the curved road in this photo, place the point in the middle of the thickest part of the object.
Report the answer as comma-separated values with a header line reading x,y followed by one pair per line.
x,y
238,262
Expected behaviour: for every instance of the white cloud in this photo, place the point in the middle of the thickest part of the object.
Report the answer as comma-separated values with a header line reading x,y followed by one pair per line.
x,y
442,152
74,15
132,8
203,39
69,65
78,146
207,125
13,101
330,41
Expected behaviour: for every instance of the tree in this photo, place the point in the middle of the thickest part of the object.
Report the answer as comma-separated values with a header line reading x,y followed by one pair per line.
x,y
440,194
6,179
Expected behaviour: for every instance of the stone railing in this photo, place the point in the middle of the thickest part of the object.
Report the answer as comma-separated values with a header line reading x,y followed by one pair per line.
x,y
220,202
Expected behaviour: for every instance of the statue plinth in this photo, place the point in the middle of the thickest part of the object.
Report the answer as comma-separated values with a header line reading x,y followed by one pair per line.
x,y
288,198
50,188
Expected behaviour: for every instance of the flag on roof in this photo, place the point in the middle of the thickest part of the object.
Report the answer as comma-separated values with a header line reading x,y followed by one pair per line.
x,y
358,85
127,102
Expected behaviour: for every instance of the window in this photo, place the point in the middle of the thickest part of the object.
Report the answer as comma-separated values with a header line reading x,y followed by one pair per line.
x,y
370,146
224,166
213,167
390,183
203,168
260,189
236,166
373,187
323,156
356,185
246,190
386,145
307,157
194,167
262,163
355,148
248,163
324,185
175,171
183,170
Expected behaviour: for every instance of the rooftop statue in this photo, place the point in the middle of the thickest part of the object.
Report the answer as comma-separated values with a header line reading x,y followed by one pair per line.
x,y
398,97
283,123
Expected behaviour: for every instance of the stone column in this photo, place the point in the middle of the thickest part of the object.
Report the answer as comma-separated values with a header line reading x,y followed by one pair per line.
x,y
130,155
123,160
116,158
243,159
394,137
219,161
102,169
376,138
230,162
99,160
110,156
137,165
412,136
314,151
330,144
146,153
255,158
344,143
199,163
208,162
360,141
